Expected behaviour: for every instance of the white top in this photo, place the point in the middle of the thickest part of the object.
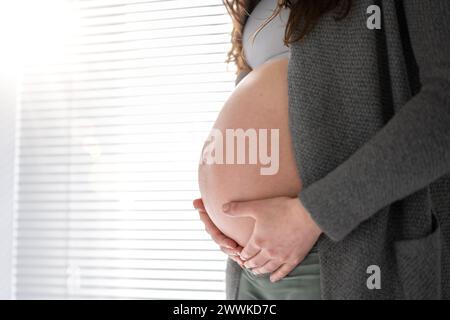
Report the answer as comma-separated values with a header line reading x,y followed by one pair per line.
x,y
268,43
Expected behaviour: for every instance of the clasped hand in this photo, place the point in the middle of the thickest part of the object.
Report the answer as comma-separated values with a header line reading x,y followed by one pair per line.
x,y
283,234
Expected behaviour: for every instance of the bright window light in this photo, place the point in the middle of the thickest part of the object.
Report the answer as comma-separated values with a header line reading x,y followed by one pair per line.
x,y
116,99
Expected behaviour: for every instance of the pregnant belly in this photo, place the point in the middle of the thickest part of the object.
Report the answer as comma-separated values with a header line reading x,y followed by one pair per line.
x,y
255,162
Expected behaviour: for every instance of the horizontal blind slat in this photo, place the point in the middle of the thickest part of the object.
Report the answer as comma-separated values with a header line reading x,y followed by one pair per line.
x,y
110,137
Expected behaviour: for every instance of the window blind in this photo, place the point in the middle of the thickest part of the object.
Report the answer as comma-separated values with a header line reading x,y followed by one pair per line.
x,y
108,145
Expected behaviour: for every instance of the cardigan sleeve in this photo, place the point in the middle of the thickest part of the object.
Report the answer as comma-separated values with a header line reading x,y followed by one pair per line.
x,y
406,155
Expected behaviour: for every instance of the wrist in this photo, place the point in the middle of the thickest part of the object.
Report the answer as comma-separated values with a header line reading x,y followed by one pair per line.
x,y
307,218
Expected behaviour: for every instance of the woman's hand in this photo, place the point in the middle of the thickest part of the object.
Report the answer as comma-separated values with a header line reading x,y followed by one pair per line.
x,y
284,233
227,245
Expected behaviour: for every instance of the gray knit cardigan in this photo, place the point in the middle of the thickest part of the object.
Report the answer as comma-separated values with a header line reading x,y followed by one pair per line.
x,y
370,121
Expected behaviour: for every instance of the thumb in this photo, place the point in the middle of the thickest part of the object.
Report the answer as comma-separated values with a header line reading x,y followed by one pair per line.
x,y
240,208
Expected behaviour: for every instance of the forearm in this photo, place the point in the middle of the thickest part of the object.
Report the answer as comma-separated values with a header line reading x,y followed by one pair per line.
x,y
411,151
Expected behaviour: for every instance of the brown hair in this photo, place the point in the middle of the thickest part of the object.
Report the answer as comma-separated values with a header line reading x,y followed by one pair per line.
x,y
304,15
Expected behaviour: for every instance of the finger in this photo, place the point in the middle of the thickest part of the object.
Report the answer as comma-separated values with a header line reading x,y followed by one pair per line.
x,y
203,215
282,272
269,267
216,234
205,218
232,252
198,204
241,208
221,239
238,261
200,207
250,250
258,260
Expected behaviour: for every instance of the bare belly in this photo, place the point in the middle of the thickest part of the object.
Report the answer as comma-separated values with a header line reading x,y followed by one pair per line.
x,y
260,101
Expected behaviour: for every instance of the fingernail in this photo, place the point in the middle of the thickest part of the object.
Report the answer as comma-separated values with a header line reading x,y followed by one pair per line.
x,y
226,207
273,280
231,246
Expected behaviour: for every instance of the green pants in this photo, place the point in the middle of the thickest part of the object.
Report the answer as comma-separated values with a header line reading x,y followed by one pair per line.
x,y
302,283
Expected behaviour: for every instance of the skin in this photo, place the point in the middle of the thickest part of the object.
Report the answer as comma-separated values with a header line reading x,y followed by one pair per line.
x,y
273,232
260,101
284,233
226,244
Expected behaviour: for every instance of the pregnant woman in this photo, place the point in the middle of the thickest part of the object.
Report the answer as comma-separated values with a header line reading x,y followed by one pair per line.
x,y
352,123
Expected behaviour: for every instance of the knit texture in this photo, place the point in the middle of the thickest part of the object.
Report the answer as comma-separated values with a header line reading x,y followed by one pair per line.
x,y
370,121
